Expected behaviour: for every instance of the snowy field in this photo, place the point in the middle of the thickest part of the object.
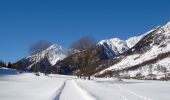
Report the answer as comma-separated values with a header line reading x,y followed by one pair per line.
x,y
27,86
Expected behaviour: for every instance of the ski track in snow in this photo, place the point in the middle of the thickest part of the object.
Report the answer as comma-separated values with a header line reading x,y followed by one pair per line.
x,y
133,93
122,93
118,96
60,95
85,93
145,98
59,91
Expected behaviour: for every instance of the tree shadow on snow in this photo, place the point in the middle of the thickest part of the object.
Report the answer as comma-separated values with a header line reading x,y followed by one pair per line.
x,y
5,71
120,82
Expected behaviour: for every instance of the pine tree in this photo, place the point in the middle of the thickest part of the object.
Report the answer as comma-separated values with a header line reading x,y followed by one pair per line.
x,y
9,65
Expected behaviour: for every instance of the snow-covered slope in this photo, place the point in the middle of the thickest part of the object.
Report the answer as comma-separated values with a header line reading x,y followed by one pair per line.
x,y
147,55
132,41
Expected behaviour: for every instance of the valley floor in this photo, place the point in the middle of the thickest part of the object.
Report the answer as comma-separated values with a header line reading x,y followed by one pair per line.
x,y
27,86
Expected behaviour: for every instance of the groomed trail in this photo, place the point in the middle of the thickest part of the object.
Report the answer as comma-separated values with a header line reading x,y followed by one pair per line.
x,y
72,91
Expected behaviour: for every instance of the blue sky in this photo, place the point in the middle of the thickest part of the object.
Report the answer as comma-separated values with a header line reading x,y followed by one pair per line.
x,y
22,22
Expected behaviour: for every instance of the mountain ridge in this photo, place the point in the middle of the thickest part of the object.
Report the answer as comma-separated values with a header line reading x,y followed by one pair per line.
x,y
130,56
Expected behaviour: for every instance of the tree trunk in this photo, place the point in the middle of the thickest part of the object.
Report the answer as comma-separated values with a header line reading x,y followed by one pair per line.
x,y
88,77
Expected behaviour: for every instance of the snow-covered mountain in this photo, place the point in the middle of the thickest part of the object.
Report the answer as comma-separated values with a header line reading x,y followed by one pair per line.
x,y
55,53
116,54
150,55
115,45
49,57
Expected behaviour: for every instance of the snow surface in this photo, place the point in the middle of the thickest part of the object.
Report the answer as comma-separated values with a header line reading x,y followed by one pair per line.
x,y
27,86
